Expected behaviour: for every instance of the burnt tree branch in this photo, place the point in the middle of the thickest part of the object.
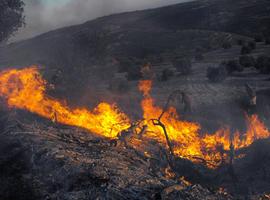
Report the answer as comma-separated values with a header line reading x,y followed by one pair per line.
x,y
157,122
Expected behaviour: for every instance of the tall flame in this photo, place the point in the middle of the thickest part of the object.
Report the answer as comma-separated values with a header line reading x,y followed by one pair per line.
x,y
25,89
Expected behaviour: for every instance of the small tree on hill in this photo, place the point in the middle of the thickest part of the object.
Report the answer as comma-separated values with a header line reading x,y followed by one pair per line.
x,y
247,61
227,45
267,40
246,50
166,74
183,65
232,66
263,64
252,44
258,38
241,42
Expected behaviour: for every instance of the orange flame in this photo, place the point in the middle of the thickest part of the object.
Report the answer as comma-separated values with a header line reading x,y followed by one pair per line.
x,y
145,87
186,137
25,89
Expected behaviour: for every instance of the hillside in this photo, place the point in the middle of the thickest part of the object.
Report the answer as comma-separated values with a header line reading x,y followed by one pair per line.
x,y
182,27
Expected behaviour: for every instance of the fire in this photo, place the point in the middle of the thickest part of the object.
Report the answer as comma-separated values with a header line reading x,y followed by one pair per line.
x,y
256,130
25,89
145,87
186,136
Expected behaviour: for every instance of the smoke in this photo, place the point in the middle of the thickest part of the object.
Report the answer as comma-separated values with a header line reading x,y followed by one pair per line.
x,y
45,15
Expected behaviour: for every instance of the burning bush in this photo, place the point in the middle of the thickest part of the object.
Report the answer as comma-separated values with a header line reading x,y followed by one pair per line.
x,y
247,61
183,65
232,66
263,64
217,74
246,50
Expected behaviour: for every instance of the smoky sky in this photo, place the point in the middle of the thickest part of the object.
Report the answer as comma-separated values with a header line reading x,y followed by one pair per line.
x,y
45,15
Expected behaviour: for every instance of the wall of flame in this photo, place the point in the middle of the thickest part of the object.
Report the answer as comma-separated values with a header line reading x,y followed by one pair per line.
x,y
26,89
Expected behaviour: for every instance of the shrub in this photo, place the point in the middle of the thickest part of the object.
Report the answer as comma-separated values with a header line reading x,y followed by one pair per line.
x,y
247,61
252,45
241,42
199,54
232,66
267,41
263,64
199,57
132,67
226,45
258,38
216,74
183,65
166,74
246,50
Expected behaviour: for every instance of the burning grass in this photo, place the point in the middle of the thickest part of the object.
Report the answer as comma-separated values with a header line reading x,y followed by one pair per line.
x,y
25,89
186,136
